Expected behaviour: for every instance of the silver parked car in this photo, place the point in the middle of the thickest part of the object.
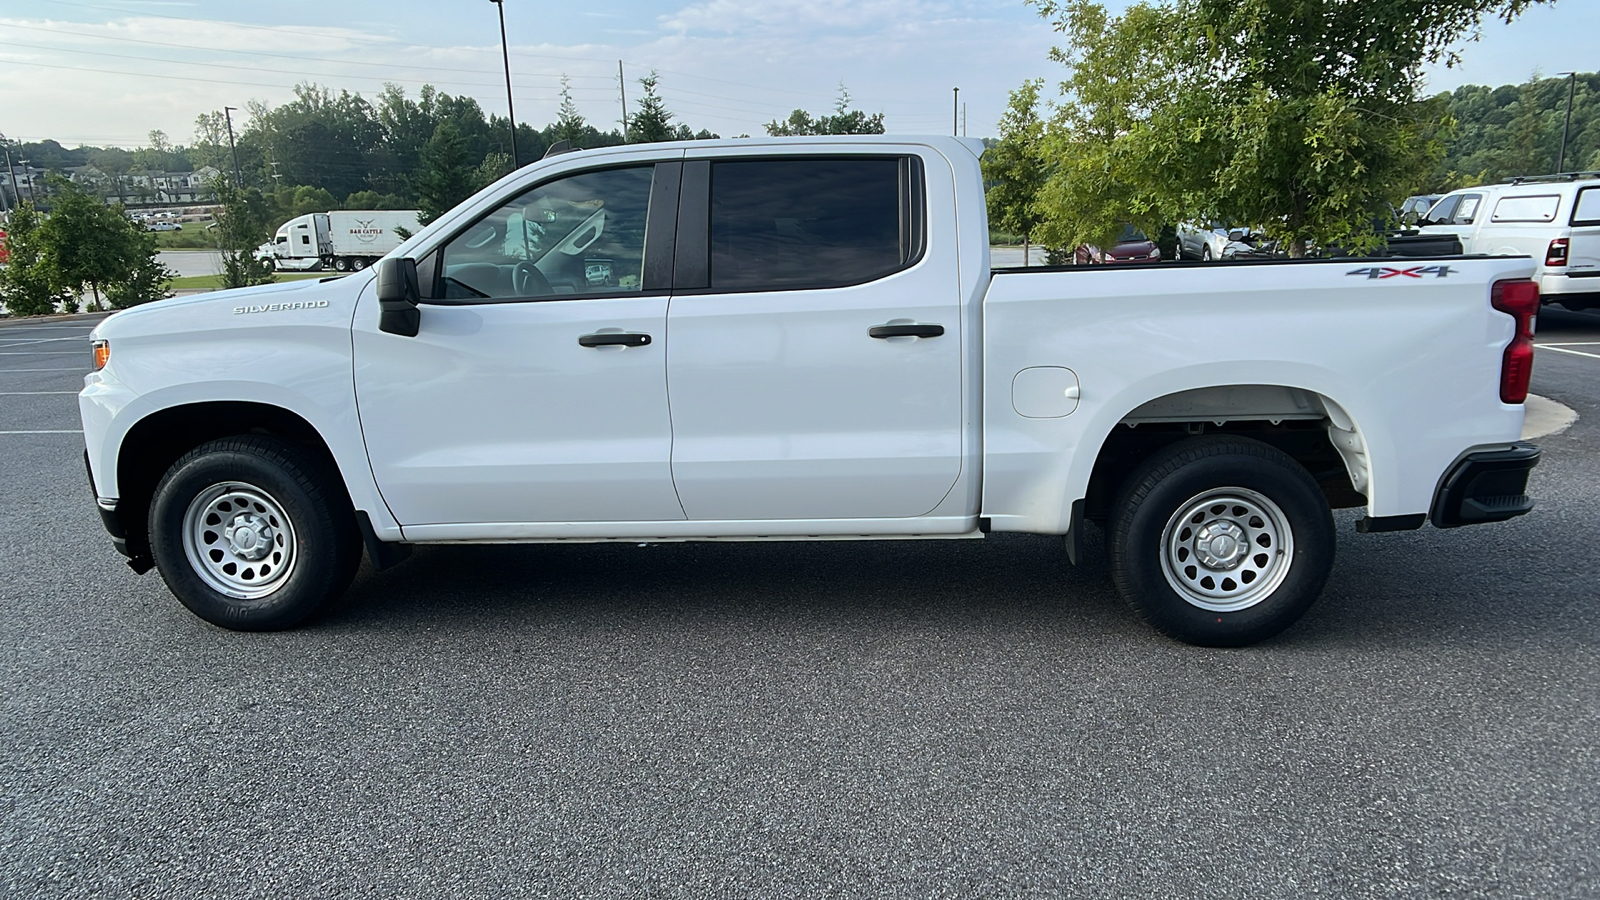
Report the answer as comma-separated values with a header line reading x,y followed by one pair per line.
x,y
1209,241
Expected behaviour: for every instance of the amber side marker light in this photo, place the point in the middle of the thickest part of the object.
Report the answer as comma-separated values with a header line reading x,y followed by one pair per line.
x,y
102,354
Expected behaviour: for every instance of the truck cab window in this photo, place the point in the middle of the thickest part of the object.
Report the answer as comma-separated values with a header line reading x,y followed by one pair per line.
x,y
793,224
578,235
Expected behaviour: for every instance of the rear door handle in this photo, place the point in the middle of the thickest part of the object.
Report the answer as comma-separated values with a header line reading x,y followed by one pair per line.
x,y
614,339
921,331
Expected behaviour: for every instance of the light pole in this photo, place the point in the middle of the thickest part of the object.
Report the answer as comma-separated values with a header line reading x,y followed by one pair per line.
x,y
227,113
1572,85
505,53
955,111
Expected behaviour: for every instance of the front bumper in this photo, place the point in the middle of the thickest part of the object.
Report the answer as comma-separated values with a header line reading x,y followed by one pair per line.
x,y
1485,486
138,560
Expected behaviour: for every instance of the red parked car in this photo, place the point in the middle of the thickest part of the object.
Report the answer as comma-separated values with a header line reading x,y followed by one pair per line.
x,y
5,253
1133,246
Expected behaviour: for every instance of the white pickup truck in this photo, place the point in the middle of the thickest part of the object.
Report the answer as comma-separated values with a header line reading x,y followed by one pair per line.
x,y
802,339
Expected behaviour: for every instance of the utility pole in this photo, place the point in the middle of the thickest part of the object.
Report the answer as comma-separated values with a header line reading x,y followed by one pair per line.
x,y
622,88
16,195
238,180
1572,85
955,112
505,53
32,197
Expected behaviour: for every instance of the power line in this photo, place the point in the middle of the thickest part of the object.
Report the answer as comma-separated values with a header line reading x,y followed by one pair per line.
x,y
291,30
215,65
289,56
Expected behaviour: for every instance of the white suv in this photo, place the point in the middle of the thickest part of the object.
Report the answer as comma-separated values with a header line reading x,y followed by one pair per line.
x,y
1555,219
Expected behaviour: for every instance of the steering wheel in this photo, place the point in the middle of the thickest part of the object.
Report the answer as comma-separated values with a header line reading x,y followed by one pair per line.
x,y
528,281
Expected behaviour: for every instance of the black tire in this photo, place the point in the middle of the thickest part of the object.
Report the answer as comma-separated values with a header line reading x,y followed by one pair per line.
x,y
1180,527
357,264
311,546
340,264
1205,253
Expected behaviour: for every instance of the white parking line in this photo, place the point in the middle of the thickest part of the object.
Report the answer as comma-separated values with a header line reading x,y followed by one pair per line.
x,y
9,343
35,329
1565,350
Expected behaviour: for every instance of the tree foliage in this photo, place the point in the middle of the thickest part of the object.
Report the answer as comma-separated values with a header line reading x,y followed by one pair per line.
x,y
570,124
1304,119
82,244
843,120
652,123
244,222
26,285
1015,168
1516,129
444,177
87,244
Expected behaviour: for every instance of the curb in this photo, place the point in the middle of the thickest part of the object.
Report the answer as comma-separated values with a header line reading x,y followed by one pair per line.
x,y
1545,417
54,317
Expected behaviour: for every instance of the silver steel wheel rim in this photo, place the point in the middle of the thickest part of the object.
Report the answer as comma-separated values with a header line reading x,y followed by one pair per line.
x,y
1227,549
239,540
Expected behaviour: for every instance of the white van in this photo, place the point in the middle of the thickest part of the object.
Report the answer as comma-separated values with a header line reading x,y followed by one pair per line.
x,y
1555,219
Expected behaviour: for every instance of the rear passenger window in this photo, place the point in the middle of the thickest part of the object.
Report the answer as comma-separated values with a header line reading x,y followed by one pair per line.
x,y
1587,210
1540,208
790,224
1468,210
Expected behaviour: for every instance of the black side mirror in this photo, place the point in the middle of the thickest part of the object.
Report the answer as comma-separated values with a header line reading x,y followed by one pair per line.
x,y
398,295
1236,235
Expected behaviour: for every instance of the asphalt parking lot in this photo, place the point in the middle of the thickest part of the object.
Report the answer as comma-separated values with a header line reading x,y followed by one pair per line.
x,y
940,719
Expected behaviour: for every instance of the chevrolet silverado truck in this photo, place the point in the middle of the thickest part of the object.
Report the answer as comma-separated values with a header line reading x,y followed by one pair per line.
x,y
803,339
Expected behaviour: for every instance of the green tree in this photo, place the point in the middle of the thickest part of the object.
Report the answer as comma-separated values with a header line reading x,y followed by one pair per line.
x,y
494,167
147,280
244,222
652,123
373,200
1015,166
26,284
843,120
210,147
445,177
297,200
87,244
1303,119
570,124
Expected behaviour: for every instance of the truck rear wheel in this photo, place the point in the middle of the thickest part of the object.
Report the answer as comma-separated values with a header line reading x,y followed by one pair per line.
x,y
339,264
1221,542
253,534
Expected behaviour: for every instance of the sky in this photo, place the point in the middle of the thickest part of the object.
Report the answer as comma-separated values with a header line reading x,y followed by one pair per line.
x,y
107,72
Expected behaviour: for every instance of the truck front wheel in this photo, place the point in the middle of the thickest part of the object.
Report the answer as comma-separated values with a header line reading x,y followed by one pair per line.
x,y
1221,541
251,534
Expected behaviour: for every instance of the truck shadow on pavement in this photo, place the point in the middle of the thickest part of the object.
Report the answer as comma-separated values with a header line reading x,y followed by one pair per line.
x,y
1428,588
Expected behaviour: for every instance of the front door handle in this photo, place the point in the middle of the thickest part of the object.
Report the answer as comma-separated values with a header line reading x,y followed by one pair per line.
x,y
614,339
921,331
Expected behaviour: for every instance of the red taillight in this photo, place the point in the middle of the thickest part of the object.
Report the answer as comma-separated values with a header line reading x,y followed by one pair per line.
x,y
1557,254
1520,300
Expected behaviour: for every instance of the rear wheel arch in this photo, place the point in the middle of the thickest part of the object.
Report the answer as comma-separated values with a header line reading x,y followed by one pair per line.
x,y
1310,427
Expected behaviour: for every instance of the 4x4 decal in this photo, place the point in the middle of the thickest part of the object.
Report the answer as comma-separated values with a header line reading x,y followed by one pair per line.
x,y
1412,272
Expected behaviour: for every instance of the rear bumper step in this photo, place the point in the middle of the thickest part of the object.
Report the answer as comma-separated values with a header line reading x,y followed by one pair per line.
x,y
1487,486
